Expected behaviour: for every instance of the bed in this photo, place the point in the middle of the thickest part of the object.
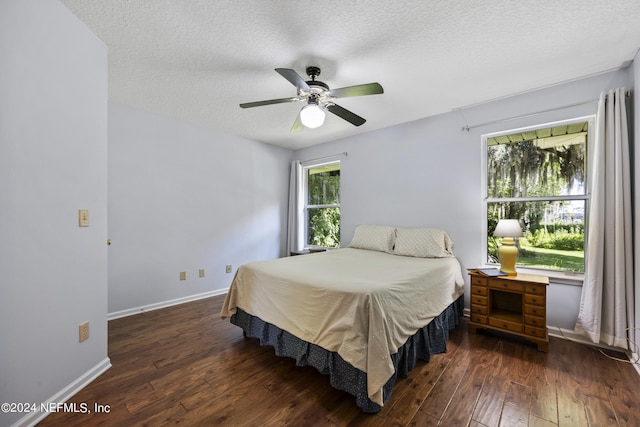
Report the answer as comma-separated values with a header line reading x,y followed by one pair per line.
x,y
362,314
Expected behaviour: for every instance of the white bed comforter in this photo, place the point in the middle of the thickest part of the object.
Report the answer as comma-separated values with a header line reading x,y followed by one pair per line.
x,y
362,304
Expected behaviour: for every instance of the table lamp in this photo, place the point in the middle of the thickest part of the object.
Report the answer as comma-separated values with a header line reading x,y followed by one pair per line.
x,y
508,229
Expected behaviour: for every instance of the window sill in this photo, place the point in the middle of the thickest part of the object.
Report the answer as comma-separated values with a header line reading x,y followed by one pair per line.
x,y
557,277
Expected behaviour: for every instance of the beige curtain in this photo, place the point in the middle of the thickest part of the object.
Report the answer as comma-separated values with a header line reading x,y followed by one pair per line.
x,y
606,306
296,217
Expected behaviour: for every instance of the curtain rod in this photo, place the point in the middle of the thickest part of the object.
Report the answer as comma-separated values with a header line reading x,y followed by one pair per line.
x,y
467,128
344,153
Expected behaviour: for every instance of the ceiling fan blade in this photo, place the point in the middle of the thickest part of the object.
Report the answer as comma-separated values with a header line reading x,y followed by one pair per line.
x,y
352,118
357,90
297,125
294,78
268,102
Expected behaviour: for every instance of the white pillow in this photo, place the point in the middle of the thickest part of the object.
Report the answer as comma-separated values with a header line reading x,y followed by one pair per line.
x,y
374,238
423,243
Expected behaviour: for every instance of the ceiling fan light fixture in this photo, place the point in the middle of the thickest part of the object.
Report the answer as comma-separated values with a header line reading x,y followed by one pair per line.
x,y
319,97
312,116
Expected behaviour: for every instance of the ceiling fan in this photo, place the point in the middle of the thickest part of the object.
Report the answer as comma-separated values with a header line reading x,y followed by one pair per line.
x,y
318,97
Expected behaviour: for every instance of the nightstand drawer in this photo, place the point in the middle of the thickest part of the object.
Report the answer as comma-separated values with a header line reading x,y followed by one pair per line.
x,y
535,289
479,309
478,299
477,280
534,299
505,325
536,332
534,310
505,285
476,318
479,290
534,321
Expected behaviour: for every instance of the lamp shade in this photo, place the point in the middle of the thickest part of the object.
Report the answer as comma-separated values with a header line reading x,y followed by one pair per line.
x,y
508,228
312,116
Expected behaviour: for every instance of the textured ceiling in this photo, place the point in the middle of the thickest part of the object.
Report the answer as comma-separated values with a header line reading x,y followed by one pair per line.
x,y
197,60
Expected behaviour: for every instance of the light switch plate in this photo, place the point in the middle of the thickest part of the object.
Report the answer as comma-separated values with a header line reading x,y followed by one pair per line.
x,y
83,217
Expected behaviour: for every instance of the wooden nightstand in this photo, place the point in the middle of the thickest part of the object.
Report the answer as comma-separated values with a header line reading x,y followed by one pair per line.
x,y
512,304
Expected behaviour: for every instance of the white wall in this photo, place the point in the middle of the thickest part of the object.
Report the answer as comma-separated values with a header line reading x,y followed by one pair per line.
x,y
184,198
53,152
427,172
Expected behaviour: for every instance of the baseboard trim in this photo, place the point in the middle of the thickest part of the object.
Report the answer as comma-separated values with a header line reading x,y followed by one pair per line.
x,y
81,382
581,339
570,335
635,356
164,304
66,393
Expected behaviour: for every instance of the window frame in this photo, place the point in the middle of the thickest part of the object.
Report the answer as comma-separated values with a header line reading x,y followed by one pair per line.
x,y
569,277
305,199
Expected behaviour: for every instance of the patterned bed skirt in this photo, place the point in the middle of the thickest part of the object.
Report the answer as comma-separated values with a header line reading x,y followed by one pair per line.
x,y
432,339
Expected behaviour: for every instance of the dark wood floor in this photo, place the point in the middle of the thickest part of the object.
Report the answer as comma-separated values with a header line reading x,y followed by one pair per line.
x,y
184,365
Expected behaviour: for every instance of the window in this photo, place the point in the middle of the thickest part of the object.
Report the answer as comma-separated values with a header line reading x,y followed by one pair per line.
x,y
322,205
538,175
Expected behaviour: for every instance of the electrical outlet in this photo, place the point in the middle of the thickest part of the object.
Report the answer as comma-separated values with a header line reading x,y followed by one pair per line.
x,y
228,270
183,275
84,331
201,272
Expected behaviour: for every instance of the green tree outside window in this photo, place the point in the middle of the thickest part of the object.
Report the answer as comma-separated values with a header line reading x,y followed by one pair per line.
x,y
323,206
538,177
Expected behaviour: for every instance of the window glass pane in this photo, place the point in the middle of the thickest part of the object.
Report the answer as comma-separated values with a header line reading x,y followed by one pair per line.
x,y
553,233
324,185
539,163
323,227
